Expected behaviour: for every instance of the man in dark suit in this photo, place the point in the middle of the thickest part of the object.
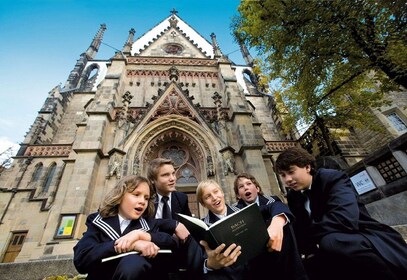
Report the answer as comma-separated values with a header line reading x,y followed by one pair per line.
x,y
161,173
333,228
169,201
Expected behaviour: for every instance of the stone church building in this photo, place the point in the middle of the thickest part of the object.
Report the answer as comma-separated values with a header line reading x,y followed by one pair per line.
x,y
170,93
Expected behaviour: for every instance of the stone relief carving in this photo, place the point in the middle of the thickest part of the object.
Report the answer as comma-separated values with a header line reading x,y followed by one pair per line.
x,y
210,171
115,167
229,162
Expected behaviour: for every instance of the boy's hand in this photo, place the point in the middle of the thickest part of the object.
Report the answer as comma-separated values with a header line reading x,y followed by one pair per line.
x,y
146,248
276,233
181,232
126,242
219,257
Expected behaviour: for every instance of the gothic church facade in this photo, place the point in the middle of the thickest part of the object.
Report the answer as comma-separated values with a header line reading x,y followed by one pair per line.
x,y
171,93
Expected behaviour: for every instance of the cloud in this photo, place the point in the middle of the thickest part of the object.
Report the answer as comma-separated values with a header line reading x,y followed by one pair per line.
x,y
6,143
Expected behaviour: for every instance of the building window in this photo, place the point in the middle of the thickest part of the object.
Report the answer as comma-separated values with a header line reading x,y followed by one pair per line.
x,y
48,180
37,173
397,122
173,49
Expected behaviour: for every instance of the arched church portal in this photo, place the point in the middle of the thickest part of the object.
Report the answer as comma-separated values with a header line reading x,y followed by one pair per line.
x,y
189,156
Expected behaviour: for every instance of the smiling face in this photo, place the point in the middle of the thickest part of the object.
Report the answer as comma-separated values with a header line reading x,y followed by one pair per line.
x,y
166,180
134,203
246,190
297,178
213,198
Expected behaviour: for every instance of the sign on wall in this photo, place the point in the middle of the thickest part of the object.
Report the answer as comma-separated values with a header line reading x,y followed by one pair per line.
x,y
66,226
362,182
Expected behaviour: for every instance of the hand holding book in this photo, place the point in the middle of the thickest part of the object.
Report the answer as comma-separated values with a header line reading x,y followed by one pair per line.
x,y
246,228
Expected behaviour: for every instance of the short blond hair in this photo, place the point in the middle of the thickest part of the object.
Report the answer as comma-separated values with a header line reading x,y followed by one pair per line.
x,y
202,185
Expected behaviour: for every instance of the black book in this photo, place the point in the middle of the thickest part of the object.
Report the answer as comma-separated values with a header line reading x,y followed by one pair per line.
x,y
246,228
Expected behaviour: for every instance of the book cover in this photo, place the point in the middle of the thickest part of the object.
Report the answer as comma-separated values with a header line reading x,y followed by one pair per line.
x,y
245,228
130,253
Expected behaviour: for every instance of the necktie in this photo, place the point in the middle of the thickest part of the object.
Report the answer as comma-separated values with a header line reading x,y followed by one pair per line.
x,y
166,209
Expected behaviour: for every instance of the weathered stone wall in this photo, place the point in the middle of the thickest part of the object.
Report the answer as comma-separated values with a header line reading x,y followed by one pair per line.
x,y
37,270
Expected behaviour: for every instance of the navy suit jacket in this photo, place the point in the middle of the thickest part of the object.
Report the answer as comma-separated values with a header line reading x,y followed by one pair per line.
x,y
335,208
98,241
179,204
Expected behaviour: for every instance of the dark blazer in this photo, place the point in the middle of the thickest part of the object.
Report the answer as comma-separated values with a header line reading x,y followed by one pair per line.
x,y
98,242
335,208
179,204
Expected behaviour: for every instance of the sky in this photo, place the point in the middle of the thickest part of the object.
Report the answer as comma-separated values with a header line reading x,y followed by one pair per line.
x,y
41,40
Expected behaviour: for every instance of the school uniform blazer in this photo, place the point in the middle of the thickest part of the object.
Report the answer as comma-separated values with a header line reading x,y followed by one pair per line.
x,y
179,204
98,241
335,208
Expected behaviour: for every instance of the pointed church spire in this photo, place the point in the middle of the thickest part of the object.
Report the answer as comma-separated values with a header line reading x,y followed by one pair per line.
x,y
246,55
216,50
74,76
97,40
127,46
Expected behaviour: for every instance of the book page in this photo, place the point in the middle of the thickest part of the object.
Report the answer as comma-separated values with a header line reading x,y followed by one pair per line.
x,y
131,253
196,221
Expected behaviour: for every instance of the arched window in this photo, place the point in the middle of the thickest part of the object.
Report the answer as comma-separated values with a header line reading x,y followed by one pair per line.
x,y
48,180
89,77
37,173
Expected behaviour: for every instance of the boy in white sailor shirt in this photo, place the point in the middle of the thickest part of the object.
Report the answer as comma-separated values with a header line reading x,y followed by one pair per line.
x,y
125,223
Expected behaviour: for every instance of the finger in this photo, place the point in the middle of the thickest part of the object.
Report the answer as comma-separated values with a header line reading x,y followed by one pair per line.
x,y
229,249
220,248
204,244
233,260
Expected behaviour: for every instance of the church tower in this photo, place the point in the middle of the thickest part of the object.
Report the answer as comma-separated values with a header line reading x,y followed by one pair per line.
x,y
170,93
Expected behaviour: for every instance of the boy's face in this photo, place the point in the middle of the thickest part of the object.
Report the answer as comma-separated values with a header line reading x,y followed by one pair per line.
x,y
214,199
135,203
297,178
166,179
247,190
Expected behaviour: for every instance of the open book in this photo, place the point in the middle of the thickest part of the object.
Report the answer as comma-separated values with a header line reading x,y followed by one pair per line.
x,y
130,253
245,228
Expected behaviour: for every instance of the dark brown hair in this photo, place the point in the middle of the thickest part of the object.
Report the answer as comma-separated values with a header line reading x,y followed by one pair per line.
x,y
294,156
247,176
